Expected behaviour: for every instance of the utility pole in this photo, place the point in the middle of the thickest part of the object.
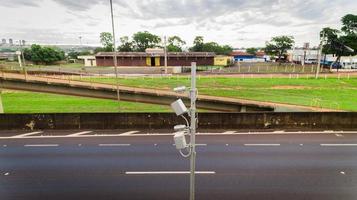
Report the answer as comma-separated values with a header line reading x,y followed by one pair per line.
x,y
165,49
319,57
188,129
115,55
193,95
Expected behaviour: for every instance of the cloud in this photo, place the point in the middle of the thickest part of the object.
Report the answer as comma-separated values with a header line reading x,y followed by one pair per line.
x,y
20,3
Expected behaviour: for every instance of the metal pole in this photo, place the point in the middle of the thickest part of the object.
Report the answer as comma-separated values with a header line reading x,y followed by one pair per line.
x,y
193,95
165,48
319,60
115,55
1,106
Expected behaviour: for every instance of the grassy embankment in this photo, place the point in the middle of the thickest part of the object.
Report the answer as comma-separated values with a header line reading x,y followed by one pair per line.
x,y
27,102
331,93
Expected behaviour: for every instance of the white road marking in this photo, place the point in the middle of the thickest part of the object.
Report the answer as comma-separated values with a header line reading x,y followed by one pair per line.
x,y
338,145
229,132
80,133
129,133
114,145
196,145
274,145
169,172
339,135
41,145
26,134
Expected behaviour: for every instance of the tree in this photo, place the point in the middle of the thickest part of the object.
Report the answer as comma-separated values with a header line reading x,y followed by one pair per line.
x,y
252,50
349,24
126,44
278,46
47,55
106,39
145,40
200,46
197,44
175,44
330,36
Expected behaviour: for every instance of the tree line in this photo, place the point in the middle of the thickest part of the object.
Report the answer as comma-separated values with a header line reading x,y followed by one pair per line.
x,y
141,41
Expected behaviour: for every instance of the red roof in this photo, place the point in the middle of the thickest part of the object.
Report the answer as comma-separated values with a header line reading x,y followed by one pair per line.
x,y
240,53
260,54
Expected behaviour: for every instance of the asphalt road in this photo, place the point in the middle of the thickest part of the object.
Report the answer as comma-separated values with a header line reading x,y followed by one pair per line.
x,y
130,165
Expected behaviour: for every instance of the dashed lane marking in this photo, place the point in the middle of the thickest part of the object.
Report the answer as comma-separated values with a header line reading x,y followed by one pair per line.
x,y
229,132
80,133
338,145
129,133
26,134
169,172
41,145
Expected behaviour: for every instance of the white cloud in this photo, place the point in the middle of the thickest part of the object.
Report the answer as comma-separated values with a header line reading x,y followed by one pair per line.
x,y
235,22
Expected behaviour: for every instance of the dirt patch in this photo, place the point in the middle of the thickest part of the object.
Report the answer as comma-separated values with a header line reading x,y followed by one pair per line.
x,y
290,87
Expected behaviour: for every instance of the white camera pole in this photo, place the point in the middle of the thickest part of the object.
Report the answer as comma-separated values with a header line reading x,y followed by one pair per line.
x,y
193,97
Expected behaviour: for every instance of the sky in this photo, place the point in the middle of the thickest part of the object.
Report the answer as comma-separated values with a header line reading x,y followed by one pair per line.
x,y
239,23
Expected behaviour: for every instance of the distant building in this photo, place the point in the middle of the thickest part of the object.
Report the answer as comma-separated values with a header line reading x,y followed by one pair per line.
x,y
3,41
155,59
298,55
11,42
240,56
89,61
7,56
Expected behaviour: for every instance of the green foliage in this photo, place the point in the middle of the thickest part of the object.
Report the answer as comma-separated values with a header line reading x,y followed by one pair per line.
x,y
349,24
252,50
126,45
145,40
175,44
336,41
200,46
46,55
106,39
279,45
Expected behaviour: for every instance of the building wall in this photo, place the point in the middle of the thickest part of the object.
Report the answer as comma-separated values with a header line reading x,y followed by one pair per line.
x,y
122,61
143,61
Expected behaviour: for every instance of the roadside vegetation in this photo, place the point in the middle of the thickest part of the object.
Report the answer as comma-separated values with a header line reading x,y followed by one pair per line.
x,y
331,93
28,102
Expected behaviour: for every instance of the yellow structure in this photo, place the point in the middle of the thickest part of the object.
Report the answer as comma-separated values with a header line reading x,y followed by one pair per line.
x,y
153,61
223,60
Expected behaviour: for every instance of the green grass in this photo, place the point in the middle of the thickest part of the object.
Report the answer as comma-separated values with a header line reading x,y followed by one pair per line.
x,y
331,93
27,102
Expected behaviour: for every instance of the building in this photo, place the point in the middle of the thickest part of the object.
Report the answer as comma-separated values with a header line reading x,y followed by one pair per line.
x,y
11,42
155,59
346,62
89,61
3,41
240,56
298,55
223,60
10,56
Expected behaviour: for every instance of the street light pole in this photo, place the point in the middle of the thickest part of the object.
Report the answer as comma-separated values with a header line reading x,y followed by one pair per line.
x,y
165,49
190,127
115,55
319,57
193,96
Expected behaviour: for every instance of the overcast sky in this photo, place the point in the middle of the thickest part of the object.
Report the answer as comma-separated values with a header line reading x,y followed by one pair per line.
x,y
240,23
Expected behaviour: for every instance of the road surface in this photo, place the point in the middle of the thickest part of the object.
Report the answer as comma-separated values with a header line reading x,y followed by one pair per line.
x,y
129,164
